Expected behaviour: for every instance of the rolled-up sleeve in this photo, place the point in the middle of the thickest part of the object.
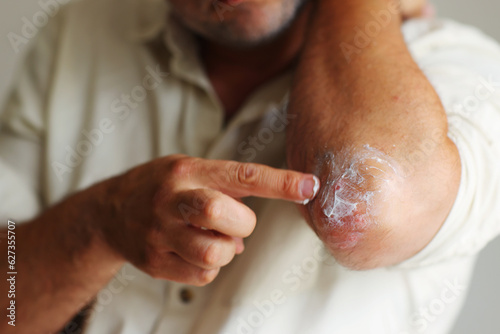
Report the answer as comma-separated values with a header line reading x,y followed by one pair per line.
x,y
464,67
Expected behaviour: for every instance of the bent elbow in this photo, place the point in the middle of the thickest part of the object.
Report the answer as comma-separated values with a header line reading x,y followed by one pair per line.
x,y
370,214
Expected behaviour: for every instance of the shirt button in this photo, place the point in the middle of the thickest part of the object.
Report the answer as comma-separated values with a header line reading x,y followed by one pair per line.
x,y
186,295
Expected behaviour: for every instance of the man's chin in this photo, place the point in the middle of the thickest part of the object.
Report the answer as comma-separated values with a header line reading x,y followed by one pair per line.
x,y
247,28
247,24
244,33
240,39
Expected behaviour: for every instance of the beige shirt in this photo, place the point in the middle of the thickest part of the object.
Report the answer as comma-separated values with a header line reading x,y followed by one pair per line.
x,y
111,84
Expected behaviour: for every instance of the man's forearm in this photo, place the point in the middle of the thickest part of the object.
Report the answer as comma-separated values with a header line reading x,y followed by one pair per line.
x,y
364,111
61,263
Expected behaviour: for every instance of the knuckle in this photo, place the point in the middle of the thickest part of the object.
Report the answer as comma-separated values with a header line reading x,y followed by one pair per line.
x,y
206,276
287,184
247,174
212,209
212,255
181,167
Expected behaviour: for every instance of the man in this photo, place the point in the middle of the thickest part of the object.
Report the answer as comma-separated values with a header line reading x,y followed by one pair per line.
x,y
113,91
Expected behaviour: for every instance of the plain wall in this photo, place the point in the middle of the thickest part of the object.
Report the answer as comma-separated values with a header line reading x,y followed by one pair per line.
x,y
482,309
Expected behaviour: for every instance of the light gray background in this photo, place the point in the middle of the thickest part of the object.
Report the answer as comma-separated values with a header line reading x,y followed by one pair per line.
x,y
481,313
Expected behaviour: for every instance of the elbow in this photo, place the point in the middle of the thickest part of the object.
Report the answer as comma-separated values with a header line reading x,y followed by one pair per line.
x,y
370,213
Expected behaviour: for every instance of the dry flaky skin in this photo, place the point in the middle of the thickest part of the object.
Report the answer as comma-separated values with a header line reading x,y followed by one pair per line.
x,y
354,183
346,190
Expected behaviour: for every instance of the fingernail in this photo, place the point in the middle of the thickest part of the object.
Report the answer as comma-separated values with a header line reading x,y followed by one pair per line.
x,y
309,188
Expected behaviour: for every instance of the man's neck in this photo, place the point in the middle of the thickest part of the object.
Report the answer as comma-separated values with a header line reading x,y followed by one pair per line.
x,y
236,73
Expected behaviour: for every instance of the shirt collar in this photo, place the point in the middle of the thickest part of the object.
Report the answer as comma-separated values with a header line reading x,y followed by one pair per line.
x,y
184,49
151,19
154,19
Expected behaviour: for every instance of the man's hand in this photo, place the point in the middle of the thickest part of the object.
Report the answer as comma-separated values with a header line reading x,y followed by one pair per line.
x,y
176,218
179,218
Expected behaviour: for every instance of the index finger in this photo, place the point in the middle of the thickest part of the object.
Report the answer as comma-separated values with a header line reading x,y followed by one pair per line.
x,y
239,179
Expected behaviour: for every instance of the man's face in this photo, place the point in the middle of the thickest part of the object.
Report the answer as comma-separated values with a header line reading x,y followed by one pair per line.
x,y
237,23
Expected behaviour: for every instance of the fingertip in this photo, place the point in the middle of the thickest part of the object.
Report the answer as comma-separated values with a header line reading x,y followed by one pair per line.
x,y
309,188
240,246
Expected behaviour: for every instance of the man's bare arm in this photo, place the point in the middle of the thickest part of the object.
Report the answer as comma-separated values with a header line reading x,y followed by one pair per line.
x,y
61,264
371,126
175,218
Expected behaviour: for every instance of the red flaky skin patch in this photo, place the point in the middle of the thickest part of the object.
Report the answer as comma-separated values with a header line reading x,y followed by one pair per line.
x,y
342,235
